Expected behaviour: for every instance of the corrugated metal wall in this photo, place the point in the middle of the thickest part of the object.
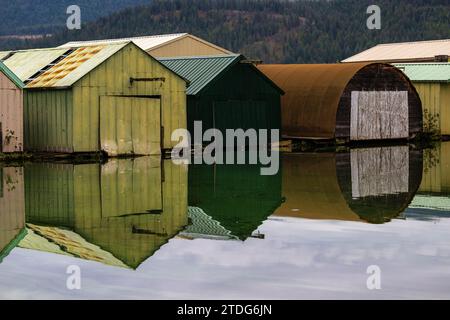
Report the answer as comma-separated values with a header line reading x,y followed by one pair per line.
x,y
11,116
431,96
48,120
239,99
113,78
68,120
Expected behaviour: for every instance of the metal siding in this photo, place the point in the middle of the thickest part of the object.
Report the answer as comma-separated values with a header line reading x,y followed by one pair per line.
x,y
430,94
11,116
112,78
315,93
422,72
48,121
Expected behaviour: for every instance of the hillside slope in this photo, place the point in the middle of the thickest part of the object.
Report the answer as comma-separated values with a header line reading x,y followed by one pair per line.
x,y
275,31
43,16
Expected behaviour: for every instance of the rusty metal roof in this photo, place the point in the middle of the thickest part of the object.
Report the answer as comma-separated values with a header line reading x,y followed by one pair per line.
x,y
75,66
25,63
313,92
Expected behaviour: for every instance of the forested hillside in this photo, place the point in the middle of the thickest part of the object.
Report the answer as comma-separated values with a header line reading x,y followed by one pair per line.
x,y
275,31
26,17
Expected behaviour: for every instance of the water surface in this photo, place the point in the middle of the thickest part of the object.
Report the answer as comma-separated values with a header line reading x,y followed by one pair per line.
x,y
150,229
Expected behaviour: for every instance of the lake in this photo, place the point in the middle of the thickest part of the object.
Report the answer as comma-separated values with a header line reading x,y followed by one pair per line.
x,y
147,228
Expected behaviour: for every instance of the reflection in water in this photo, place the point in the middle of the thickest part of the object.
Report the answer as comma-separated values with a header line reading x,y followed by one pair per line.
x,y
119,213
373,185
432,201
237,199
12,212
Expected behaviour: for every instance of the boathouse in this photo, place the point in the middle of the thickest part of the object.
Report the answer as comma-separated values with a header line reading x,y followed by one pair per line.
x,y
113,98
349,102
228,92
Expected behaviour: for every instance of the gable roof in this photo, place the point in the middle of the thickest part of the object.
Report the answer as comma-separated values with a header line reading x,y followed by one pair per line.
x,y
204,70
60,67
66,242
426,72
25,63
147,43
404,52
11,76
74,66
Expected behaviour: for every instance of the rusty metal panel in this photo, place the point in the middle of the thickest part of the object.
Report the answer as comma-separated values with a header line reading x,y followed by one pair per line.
x,y
313,92
317,103
26,63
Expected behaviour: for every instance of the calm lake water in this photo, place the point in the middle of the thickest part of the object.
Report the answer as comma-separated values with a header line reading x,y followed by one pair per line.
x,y
150,229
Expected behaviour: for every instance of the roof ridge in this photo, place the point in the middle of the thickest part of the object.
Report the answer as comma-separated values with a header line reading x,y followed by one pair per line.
x,y
219,56
132,38
412,42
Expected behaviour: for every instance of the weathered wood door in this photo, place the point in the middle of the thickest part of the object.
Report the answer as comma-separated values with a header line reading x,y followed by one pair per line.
x,y
377,115
130,125
379,171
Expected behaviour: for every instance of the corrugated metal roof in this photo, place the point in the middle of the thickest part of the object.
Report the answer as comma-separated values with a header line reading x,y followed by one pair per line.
x,y
145,42
403,52
200,71
75,66
25,63
426,72
313,92
11,76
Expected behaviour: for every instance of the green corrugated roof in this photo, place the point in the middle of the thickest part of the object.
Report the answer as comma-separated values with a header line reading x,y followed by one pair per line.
x,y
200,71
426,72
11,76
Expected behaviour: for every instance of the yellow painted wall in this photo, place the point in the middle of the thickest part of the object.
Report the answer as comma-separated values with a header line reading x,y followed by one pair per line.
x,y
48,120
436,98
113,78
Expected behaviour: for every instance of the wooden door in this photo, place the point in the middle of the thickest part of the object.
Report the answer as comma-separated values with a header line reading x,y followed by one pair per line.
x,y
377,115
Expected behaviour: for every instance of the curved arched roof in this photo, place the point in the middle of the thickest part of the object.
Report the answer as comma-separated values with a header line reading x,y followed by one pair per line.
x,y
313,92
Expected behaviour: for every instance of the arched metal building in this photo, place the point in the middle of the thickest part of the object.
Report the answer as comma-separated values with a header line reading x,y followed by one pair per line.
x,y
352,101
